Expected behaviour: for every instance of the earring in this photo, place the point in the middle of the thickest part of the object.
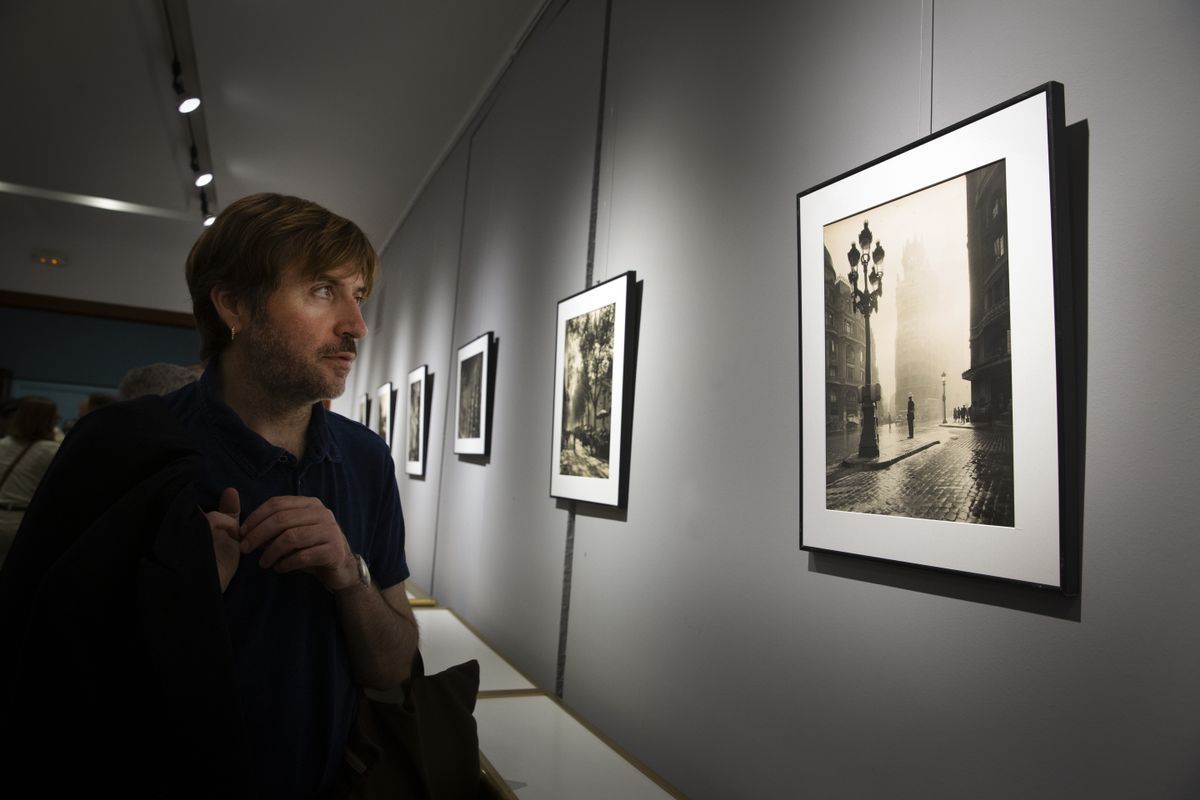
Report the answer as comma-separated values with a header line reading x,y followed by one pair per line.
x,y
232,332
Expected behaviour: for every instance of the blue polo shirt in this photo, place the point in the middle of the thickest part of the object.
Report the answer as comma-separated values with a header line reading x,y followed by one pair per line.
x,y
292,664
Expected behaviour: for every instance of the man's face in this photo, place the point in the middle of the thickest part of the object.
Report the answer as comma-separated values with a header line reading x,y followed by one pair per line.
x,y
302,345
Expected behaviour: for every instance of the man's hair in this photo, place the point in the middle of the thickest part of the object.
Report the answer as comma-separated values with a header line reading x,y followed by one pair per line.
x,y
250,245
159,378
34,419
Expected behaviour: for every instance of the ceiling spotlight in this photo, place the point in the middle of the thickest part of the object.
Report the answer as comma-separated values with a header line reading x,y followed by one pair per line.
x,y
209,218
204,179
188,102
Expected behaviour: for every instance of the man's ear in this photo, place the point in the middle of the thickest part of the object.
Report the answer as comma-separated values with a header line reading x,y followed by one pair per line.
x,y
230,309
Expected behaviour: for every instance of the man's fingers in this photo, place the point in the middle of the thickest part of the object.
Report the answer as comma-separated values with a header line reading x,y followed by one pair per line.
x,y
275,505
223,522
308,558
290,543
258,534
230,503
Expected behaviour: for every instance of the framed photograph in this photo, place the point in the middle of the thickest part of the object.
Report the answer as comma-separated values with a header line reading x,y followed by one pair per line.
x,y
385,401
471,434
364,409
936,359
593,374
414,437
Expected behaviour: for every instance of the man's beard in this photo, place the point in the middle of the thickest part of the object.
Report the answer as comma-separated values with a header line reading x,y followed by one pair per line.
x,y
293,378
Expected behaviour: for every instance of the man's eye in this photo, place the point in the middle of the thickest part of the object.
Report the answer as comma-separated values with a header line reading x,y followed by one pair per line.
x,y
323,291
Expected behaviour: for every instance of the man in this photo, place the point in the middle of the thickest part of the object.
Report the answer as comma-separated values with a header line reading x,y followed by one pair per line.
x,y
912,414
301,508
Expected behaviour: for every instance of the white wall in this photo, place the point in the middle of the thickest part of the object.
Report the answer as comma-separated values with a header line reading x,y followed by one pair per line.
x,y
411,321
701,637
500,536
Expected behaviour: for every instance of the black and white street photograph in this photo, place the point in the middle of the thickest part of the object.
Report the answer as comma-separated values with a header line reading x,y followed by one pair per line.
x,y
470,396
414,449
593,366
935,284
414,421
471,425
364,409
385,399
587,394
918,371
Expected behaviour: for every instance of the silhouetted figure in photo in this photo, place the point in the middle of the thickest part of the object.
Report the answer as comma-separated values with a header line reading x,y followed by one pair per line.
x,y
912,415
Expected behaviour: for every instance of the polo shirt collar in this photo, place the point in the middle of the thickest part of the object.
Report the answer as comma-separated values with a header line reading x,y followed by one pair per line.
x,y
255,453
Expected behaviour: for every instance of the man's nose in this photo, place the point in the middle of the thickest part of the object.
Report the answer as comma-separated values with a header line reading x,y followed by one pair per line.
x,y
352,323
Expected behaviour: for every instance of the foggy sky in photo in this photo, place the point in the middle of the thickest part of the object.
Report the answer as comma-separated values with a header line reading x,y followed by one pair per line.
x,y
935,218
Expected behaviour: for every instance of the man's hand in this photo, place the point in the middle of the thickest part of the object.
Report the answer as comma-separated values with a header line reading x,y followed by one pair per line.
x,y
225,535
300,533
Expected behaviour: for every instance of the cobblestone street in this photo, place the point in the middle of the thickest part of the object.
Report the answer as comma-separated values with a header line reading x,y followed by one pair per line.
x,y
576,461
966,478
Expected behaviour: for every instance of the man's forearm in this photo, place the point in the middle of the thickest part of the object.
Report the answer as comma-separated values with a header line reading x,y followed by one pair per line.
x,y
381,639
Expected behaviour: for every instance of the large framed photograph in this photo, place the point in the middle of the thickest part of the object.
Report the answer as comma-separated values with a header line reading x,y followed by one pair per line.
x,y
414,437
592,382
936,360
471,433
385,403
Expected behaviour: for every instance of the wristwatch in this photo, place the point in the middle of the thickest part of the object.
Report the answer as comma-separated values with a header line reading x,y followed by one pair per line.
x,y
364,574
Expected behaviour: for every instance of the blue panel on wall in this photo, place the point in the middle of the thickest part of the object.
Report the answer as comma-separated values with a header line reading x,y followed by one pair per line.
x,y
67,348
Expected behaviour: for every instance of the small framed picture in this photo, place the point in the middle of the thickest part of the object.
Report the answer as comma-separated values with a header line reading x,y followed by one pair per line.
x,y
385,403
364,409
593,384
471,423
414,437
938,383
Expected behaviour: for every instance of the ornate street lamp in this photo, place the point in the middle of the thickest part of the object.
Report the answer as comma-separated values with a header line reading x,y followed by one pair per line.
x,y
865,301
943,398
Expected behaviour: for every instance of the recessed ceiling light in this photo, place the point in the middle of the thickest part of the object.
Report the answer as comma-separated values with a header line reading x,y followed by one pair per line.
x,y
189,105
46,258
204,179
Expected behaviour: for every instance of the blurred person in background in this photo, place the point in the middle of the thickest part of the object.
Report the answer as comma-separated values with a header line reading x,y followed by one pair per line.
x,y
93,401
7,409
159,378
25,454
90,403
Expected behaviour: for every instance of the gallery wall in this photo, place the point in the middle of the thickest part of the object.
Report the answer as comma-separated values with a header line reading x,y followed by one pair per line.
x,y
411,323
701,637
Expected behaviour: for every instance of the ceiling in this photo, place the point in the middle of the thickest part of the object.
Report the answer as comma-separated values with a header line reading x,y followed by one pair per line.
x,y
352,104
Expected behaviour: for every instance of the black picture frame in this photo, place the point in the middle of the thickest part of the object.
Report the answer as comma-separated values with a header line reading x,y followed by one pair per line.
x,y
385,411
364,409
417,419
977,223
595,364
474,378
